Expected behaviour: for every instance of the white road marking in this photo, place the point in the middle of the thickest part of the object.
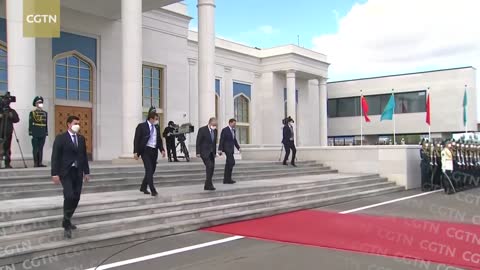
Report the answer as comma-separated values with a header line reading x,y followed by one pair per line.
x,y
233,238
166,253
388,202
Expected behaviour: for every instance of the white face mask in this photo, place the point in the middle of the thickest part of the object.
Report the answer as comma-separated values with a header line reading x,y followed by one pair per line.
x,y
155,123
76,128
213,127
40,105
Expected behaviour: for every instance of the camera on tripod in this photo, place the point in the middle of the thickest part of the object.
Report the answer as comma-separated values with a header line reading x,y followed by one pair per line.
x,y
179,132
5,101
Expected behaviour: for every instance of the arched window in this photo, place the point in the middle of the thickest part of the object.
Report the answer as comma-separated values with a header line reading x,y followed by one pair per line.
x,y
73,79
241,111
3,70
217,105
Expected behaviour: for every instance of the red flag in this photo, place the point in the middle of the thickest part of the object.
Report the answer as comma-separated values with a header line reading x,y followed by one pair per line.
x,y
364,105
427,118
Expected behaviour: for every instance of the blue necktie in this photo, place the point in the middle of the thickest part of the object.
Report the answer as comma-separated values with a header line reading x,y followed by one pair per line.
x,y
75,140
151,130
211,134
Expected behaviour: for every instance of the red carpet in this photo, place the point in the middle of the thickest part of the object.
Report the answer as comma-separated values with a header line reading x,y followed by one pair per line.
x,y
439,242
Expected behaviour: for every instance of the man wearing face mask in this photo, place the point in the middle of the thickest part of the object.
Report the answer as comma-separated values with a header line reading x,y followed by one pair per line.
x,y
70,168
170,141
206,148
38,129
288,140
228,143
146,144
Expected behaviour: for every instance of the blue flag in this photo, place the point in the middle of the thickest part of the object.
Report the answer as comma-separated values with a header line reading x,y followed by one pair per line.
x,y
389,109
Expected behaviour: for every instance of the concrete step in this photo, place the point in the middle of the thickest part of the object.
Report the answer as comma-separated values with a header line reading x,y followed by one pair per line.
x,y
53,221
161,166
139,172
27,249
38,237
16,192
33,208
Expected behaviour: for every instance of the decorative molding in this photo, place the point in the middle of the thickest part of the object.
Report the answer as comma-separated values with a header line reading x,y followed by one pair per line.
x,y
257,74
227,69
192,61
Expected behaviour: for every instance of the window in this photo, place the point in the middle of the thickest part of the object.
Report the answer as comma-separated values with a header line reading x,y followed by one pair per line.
x,y
3,71
217,102
241,110
344,107
73,79
410,102
152,82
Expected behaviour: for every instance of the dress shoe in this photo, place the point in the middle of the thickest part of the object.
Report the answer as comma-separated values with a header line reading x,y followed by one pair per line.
x,y
154,193
42,166
285,163
145,191
67,234
169,160
293,164
176,160
212,188
229,182
8,167
73,226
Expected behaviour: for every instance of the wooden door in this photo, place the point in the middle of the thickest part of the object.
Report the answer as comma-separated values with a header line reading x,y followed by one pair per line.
x,y
86,125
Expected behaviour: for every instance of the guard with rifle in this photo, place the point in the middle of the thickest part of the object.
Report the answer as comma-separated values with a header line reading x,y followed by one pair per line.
x,y
8,117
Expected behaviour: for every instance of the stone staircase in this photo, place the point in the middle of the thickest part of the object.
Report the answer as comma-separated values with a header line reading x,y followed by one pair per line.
x,y
113,211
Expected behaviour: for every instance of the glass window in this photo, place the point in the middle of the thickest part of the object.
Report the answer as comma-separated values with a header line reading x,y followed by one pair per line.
x,y
242,134
73,79
410,102
241,114
152,87
3,71
344,107
331,108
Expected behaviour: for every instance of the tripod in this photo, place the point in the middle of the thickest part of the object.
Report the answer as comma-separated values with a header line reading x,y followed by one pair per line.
x,y
4,116
183,147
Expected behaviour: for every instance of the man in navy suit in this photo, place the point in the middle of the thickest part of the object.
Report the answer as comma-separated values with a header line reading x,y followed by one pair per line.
x,y
70,167
146,144
206,149
288,140
228,142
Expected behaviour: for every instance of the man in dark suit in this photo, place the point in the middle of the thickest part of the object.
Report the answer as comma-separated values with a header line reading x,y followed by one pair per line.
x,y
228,142
146,144
207,148
70,167
288,140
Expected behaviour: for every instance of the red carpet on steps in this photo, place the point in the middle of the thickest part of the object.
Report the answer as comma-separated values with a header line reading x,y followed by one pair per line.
x,y
439,242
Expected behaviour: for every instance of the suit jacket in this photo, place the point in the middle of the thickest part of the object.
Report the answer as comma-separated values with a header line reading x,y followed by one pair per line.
x,y
287,133
65,153
205,146
227,141
142,134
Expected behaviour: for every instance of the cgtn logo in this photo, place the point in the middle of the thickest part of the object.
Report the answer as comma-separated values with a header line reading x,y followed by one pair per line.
x,y
37,18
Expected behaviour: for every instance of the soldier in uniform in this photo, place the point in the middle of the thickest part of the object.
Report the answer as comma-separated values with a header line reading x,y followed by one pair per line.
x,y
170,141
425,166
38,129
447,168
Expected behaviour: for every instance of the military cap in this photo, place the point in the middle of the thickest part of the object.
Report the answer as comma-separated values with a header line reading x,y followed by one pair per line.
x,y
37,99
171,123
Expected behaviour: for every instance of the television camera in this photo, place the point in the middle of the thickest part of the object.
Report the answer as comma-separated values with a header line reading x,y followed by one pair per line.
x,y
180,132
5,102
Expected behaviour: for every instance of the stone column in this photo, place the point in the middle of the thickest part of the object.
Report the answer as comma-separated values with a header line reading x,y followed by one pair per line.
x,y
206,60
228,86
256,110
21,74
323,112
314,106
131,72
291,98
193,98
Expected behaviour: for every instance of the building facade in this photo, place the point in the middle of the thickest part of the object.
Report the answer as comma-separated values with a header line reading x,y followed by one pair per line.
x,y
446,88
115,59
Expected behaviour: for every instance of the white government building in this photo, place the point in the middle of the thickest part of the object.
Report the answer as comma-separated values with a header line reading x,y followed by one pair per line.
x,y
115,59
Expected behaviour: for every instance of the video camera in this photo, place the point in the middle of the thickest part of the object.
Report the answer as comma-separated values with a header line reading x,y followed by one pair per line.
x,y
287,120
180,131
5,101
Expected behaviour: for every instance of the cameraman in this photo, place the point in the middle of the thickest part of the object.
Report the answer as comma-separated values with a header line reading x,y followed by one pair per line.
x,y
288,140
170,140
7,118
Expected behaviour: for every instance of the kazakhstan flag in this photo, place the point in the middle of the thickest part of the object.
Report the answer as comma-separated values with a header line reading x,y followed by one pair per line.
x,y
389,109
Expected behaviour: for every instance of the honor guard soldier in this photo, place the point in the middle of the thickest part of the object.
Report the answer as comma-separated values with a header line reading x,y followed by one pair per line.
x,y
425,166
38,129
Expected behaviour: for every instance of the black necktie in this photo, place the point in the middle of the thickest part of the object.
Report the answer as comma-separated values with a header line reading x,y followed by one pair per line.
x,y
75,140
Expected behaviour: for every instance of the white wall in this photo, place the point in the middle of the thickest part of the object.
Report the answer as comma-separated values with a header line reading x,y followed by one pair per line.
x,y
447,88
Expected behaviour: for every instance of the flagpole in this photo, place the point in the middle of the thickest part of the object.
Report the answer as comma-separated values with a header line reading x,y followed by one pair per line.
x,y
466,113
429,124
361,120
393,116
